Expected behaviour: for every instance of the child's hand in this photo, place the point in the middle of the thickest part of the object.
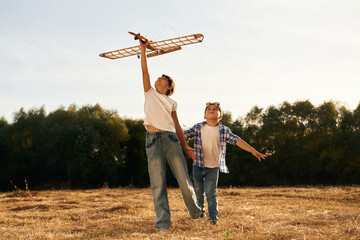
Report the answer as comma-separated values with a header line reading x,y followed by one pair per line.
x,y
143,45
259,155
190,152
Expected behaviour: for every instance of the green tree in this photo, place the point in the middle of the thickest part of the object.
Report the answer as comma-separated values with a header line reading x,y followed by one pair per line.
x,y
23,143
98,147
3,153
84,148
135,172
91,146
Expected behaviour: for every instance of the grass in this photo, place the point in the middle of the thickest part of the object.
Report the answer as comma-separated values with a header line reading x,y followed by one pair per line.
x,y
126,213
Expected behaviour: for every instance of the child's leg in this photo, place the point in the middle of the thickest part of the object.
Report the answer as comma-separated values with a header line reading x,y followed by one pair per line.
x,y
211,182
198,175
157,173
177,163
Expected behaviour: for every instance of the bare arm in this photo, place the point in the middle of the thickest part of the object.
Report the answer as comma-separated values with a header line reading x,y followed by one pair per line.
x,y
144,67
180,134
244,145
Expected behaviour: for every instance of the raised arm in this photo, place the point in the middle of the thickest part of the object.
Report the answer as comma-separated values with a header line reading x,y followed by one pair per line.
x,y
180,134
244,145
144,67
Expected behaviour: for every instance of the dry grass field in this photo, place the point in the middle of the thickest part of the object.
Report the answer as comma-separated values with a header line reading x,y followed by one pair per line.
x,y
126,213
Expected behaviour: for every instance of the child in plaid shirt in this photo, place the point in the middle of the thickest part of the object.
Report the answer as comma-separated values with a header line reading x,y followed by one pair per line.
x,y
210,138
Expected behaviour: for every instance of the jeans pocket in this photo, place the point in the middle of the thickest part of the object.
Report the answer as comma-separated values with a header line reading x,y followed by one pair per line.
x,y
173,138
150,141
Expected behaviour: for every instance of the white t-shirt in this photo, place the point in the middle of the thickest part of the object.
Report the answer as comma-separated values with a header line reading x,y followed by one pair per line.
x,y
210,138
158,108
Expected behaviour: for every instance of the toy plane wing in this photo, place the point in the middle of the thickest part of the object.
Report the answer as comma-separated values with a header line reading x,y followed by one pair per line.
x,y
154,48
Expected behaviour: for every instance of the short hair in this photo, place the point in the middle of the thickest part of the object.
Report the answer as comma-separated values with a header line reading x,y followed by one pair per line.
x,y
213,103
171,85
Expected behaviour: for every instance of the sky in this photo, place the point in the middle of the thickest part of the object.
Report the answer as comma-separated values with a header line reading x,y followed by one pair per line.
x,y
254,53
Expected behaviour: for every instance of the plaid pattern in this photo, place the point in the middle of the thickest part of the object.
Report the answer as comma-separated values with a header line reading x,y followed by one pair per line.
x,y
226,136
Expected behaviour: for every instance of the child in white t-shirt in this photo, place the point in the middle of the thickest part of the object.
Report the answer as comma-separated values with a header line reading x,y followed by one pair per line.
x,y
210,138
162,145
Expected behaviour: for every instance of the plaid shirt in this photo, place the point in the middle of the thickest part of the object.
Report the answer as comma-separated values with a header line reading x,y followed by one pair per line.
x,y
226,136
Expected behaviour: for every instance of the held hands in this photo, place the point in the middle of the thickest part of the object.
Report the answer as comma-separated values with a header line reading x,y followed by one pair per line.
x,y
190,152
258,155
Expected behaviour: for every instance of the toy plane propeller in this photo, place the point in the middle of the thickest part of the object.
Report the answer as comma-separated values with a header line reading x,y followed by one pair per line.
x,y
154,48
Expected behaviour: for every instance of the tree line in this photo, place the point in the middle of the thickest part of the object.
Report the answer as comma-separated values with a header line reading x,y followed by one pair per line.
x,y
91,147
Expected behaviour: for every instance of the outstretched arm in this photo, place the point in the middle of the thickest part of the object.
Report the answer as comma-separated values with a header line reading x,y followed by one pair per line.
x,y
244,145
144,67
180,134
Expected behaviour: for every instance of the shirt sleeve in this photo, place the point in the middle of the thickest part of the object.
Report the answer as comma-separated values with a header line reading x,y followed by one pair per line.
x,y
174,106
149,91
230,137
190,133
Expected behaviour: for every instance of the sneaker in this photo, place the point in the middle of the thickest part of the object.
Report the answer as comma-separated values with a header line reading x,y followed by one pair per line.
x,y
198,219
213,221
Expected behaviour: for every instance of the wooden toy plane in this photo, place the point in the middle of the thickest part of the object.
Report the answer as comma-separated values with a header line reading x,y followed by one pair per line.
x,y
154,48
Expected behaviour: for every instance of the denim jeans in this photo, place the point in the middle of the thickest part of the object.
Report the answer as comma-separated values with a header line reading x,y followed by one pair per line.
x,y
162,147
206,181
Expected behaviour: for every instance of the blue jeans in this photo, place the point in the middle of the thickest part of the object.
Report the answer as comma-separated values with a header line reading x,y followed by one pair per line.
x,y
162,147
206,181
